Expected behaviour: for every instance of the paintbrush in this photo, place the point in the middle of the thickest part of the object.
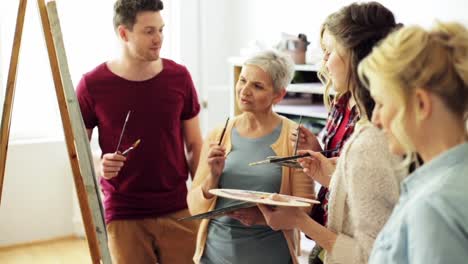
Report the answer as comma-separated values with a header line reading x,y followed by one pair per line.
x,y
297,135
222,133
131,148
123,130
294,157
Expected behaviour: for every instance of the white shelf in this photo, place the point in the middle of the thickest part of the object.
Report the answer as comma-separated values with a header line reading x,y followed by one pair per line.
x,y
302,107
313,88
318,111
239,61
307,67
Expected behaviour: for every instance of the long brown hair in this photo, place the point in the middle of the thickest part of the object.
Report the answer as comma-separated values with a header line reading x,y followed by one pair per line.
x,y
357,28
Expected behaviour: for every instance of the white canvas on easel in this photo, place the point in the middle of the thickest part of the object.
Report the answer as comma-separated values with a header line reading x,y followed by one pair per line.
x,y
75,134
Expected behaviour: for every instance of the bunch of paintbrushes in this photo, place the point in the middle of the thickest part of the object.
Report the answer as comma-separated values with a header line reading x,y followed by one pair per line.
x,y
286,161
134,145
290,161
282,160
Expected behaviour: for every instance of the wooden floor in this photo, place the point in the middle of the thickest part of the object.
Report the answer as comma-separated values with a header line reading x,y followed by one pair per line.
x,y
61,251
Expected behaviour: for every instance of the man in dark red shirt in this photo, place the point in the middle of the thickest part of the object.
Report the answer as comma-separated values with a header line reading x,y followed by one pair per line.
x,y
145,191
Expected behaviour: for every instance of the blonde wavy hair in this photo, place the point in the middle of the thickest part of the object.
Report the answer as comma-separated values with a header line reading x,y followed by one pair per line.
x,y
324,78
435,60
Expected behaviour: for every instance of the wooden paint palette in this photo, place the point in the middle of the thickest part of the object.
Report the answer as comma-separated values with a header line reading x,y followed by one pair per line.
x,y
263,197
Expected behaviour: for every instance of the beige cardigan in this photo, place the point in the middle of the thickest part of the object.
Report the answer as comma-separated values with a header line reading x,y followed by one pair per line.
x,y
293,182
363,191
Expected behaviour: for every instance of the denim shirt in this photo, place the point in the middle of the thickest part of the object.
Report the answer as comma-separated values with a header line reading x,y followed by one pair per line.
x,y
430,222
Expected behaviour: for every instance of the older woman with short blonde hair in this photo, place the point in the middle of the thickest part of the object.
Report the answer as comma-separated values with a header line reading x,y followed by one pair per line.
x,y
243,237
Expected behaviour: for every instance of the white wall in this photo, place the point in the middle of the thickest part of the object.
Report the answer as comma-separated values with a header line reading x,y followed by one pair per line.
x,y
228,26
37,193
297,16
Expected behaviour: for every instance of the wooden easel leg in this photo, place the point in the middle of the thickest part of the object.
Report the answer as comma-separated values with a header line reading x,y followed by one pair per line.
x,y
70,141
10,91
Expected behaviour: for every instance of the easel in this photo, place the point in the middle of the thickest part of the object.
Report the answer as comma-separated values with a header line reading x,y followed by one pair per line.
x,y
75,134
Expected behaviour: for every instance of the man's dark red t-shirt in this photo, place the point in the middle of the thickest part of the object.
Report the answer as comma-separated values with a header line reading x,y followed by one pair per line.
x,y
152,181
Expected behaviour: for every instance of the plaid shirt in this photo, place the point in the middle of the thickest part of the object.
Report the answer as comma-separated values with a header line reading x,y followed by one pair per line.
x,y
335,116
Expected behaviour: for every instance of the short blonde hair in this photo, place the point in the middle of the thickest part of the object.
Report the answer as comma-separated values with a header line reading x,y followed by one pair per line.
x,y
278,65
412,57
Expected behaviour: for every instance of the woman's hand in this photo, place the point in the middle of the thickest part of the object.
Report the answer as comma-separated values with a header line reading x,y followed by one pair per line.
x,y
216,160
318,167
282,217
111,164
248,216
307,139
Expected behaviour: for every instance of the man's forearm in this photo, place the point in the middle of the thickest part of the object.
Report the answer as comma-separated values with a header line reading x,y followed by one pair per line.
x,y
193,157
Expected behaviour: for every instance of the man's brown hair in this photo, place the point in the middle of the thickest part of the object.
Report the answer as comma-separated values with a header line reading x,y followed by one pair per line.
x,y
126,11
